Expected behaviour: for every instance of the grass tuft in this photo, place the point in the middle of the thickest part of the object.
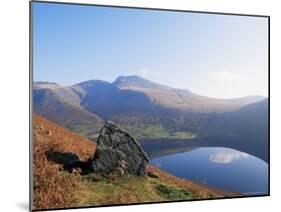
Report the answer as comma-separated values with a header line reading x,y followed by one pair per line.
x,y
173,193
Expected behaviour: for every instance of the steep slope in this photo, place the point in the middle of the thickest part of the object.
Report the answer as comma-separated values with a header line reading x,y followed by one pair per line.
x,y
51,187
246,128
107,100
54,187
61,105
250,119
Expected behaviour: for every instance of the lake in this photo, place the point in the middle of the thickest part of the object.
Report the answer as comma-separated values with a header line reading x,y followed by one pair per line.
x,y
218,167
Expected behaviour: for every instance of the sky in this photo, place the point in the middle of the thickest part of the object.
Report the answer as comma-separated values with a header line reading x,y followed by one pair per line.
x,y
220,56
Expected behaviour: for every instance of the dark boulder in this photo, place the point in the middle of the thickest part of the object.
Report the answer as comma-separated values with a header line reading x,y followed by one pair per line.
x,y
117,150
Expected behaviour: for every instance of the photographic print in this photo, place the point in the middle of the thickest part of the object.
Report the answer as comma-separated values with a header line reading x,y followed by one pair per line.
x,y
137,105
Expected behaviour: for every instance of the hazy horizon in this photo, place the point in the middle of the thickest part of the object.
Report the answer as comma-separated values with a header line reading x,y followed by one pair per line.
x,y
219,56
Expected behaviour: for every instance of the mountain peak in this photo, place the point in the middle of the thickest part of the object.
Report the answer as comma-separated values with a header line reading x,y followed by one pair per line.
x,y
137,81
46,85
90,83
130,77
45,82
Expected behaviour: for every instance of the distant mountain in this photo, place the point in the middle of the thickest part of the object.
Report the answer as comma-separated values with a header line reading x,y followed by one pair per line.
x,y
252,116
130,100
179,99
60,104
246,127
246,100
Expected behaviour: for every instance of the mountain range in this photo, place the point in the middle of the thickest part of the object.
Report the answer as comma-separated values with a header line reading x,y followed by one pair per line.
x,y
129,100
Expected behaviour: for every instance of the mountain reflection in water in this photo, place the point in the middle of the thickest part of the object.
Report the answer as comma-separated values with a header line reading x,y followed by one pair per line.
x,y
162,147
224,165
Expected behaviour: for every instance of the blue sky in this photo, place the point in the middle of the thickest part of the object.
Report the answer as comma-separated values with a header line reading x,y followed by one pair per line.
x,y
214,55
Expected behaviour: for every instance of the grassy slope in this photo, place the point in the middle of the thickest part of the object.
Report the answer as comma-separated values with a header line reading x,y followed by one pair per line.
x,y
56,188
51,187
157,187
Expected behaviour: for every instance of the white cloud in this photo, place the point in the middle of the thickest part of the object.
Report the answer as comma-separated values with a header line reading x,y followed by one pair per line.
x,y
227,157
148,73
224,76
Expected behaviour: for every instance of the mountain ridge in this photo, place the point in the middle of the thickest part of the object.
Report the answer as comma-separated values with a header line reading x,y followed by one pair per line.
x,y
135,79
129,100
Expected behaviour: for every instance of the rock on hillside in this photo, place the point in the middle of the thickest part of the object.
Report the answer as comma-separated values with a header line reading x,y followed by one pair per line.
x,y
117,150
54,187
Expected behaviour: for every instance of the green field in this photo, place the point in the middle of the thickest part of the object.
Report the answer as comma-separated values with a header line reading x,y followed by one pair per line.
x,y
140,131
88,130
157,131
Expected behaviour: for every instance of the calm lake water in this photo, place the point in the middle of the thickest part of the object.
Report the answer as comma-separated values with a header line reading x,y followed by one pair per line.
x,y
218,167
